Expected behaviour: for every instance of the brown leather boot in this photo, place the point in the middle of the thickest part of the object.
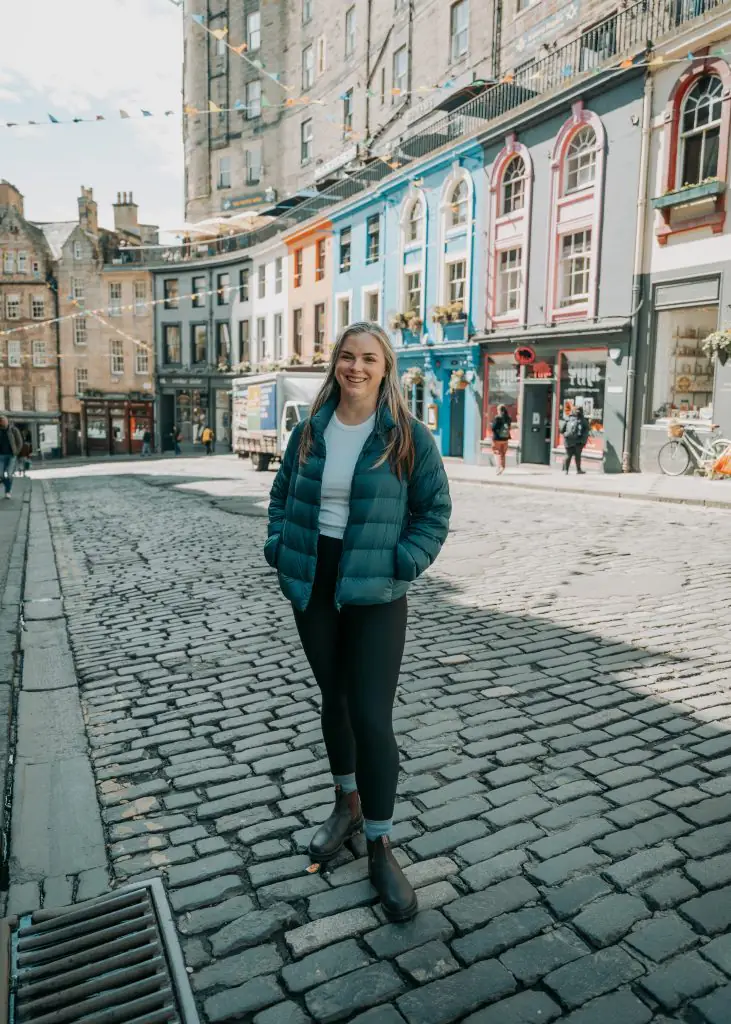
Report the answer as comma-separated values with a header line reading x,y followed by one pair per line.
x,y
398,898
345,820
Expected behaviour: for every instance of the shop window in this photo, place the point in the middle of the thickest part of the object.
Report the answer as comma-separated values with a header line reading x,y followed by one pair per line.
x,y
683,374
513,186
582,383
199,342
700,131
501,381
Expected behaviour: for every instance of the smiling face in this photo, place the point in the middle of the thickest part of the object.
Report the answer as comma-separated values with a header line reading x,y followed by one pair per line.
x,y
360,368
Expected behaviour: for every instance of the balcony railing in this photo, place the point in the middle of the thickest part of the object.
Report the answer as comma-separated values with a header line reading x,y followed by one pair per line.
x,y
623,35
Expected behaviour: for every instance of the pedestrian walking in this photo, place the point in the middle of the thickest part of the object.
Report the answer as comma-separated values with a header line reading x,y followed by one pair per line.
x,y
177,438
147,443
207,437
359,508
575,432
11,443
501,437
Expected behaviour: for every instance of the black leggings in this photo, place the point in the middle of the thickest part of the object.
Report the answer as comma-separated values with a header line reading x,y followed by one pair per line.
x,y
355,655
573,452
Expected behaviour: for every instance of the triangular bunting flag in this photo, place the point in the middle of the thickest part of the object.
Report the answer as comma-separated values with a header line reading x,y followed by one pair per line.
x,y
53,120
189,110
626,63
123,113
219,33
214,107
100,117
146,113
169,113
239,49
198,18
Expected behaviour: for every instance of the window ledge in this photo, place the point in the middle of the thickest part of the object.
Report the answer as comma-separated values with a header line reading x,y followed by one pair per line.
x,y
686,196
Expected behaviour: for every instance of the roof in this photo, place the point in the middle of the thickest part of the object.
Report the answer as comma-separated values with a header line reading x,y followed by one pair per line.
x,y
57,233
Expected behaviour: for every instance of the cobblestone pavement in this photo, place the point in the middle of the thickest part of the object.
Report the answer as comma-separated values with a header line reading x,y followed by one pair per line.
x,y
564,719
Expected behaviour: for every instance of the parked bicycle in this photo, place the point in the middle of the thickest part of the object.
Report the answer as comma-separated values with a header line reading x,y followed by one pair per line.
x,y
686,447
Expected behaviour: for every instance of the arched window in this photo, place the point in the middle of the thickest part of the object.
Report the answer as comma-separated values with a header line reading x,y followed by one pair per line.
x,y
700,131
513,188
415,222
458,203
581,159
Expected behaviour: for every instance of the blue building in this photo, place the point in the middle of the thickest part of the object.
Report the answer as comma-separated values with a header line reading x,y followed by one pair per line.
x,y
408,254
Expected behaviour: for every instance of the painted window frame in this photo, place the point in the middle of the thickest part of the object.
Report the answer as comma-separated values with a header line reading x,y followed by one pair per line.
x,y
338,325
573,211
365,293
508,231
671,167
449,231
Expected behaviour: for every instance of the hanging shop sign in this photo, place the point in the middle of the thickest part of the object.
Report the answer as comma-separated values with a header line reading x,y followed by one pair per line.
x,y
253,199
525,355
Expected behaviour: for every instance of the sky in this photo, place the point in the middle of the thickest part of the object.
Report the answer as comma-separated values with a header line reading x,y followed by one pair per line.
x,y
81,58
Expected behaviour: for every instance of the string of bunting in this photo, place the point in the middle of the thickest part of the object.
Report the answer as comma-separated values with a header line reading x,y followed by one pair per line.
x,y
240,107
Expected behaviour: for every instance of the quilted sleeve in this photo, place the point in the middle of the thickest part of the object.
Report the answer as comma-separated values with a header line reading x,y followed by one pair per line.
x,y
429,509
278,496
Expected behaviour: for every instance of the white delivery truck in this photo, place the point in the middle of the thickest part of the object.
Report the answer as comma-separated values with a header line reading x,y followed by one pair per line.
x,y
266,409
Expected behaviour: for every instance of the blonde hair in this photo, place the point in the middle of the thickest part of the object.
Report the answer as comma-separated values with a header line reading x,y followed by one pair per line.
x,y
399,449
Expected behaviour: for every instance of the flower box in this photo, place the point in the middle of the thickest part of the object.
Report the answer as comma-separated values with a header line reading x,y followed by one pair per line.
x,y
456,330
692,194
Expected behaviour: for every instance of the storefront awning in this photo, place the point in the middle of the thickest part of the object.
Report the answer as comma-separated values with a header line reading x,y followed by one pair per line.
x,y
458,97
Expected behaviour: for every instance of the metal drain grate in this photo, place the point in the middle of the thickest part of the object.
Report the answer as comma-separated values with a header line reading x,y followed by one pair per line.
x,y
114,960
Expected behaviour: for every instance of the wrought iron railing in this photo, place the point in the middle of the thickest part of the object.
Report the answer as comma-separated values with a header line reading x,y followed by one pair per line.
x,y
623,35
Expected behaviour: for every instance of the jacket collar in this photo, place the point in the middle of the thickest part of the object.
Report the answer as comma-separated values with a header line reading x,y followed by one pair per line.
x,y
384,419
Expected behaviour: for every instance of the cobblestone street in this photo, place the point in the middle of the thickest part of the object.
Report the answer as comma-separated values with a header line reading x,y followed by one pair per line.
x,y
564,720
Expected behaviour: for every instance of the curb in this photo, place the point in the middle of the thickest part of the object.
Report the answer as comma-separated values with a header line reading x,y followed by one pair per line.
x,y
664,499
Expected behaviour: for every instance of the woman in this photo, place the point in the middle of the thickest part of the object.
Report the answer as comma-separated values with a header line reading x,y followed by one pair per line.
x,y
359,508
501,437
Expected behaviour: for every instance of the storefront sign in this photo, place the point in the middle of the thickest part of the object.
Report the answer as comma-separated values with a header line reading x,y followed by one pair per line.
x,y
181,382
547,30
244,202
525,355
330,166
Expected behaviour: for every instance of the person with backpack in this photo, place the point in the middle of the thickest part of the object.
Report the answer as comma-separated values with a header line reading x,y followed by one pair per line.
x,y
501,437
207,437
575,432
359,509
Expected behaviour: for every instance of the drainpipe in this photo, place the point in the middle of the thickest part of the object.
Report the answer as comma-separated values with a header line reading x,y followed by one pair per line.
x,y
368,69
638,297
53,282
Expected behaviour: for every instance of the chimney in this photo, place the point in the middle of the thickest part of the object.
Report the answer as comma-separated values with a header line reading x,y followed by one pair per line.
x,y
125,214
88,219
9,196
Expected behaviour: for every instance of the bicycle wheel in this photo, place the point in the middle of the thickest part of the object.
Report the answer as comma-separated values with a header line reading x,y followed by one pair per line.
x,y
673,458
719,446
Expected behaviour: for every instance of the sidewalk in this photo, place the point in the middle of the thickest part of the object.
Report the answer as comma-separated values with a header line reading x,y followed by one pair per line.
x,y
684,490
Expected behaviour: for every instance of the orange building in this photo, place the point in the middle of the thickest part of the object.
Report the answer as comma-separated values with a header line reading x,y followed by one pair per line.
x,y
310,291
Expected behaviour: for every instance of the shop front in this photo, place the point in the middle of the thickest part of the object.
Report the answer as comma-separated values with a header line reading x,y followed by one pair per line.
x,y
541,383
115,425
190,404
439,386
683,380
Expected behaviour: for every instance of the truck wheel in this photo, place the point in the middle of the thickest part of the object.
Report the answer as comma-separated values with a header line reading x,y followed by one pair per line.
x,y
260,462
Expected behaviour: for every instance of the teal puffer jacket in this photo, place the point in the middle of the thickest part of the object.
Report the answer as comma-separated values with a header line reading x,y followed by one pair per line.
x,y
395,529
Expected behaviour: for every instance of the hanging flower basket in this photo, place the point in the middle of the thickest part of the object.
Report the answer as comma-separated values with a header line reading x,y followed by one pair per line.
x,y
457,382
414,375
452,313
718,343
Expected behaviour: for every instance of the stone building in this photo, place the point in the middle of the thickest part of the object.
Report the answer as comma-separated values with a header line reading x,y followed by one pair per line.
x,y
324,85
29,365
106,329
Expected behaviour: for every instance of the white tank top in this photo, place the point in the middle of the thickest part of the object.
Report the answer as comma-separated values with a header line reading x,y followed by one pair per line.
x,y
343,445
